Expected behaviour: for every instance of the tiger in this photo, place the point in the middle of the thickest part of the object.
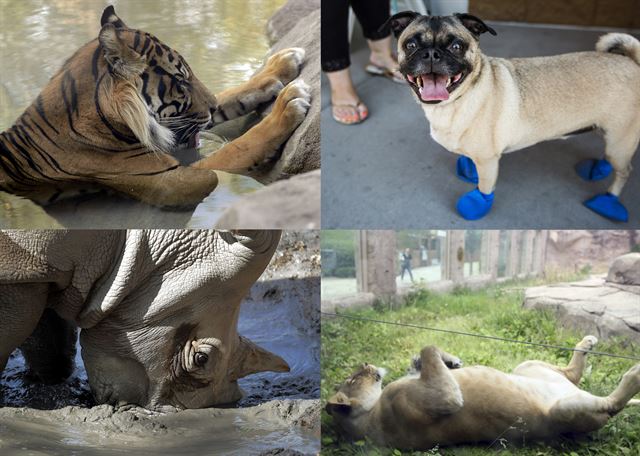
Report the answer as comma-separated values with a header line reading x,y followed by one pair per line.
x,y
114,115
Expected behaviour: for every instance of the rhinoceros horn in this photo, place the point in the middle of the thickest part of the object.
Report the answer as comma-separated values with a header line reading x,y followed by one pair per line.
x,y
252,358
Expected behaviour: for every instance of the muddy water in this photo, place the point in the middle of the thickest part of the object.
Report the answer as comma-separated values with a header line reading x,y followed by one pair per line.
x,y
279,411
223,40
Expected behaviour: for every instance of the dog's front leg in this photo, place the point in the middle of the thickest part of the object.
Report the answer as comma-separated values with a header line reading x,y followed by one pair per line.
x,y
477,203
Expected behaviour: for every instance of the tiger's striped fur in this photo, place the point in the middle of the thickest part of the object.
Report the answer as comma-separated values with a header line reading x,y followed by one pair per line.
x,y
117,108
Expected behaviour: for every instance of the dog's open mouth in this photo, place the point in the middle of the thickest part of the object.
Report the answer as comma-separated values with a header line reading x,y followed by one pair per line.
x,y
433,87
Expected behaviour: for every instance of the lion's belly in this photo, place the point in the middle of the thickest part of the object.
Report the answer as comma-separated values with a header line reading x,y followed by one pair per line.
x,y
496,405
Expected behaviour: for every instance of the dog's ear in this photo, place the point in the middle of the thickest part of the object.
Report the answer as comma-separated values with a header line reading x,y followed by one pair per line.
x,y
474,24
399,22
338,404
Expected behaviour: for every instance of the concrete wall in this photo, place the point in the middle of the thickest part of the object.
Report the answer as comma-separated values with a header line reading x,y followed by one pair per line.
x,y
376,267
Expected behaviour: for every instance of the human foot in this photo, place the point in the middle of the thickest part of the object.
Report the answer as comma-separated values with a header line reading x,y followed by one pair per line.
x,y
349,114
346,106
382,61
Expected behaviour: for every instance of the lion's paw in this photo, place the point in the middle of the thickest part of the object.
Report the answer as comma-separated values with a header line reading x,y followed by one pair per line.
x,y
587,343
453,362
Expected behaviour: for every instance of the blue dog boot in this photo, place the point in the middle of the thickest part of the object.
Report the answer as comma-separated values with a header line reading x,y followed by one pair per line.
x,y
593,170
608,206
475,204
466,170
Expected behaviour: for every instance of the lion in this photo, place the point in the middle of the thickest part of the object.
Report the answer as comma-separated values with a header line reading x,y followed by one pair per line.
x,y
444,404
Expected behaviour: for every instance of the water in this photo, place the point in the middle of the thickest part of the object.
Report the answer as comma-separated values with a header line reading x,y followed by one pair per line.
x,y
224,41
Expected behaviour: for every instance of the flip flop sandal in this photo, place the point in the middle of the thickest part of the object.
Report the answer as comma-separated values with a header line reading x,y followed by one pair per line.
x,y
388,73
359,110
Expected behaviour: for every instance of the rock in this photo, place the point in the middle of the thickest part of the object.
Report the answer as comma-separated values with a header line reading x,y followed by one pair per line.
x,y
289,27
288,16
302,151
351,302
282,452
577,249
293,204
593,306
625,270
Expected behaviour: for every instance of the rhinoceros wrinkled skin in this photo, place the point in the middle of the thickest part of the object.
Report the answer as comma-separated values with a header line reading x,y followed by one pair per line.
x,y
158,310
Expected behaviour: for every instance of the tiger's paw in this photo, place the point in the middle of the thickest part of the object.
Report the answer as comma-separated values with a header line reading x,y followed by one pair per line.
x,y
292,105
285,65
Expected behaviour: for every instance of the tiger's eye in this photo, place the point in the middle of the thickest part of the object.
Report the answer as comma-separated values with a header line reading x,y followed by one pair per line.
x,y
201,359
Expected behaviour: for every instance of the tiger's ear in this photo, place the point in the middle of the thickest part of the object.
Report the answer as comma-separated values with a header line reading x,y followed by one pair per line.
x,y
123,61
109,16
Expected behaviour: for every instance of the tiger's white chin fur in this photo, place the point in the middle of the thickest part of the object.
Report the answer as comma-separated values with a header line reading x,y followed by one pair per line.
x,y
160,137
135,114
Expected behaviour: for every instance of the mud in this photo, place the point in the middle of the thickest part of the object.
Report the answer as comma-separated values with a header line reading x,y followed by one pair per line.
x,y
279,415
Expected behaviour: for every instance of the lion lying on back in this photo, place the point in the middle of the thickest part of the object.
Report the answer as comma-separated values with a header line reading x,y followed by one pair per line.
x,y
443,405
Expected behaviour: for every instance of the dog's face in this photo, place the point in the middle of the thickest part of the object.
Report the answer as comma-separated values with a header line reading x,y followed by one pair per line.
x,y
438,55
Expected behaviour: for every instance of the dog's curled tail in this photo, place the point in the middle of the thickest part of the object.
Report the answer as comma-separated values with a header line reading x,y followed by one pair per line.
x,y
620,43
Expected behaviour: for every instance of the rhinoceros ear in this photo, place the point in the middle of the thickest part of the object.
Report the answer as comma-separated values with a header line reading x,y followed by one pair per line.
x,y
252,359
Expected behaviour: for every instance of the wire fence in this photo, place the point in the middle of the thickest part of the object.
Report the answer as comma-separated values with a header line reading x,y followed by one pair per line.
x,y
481,336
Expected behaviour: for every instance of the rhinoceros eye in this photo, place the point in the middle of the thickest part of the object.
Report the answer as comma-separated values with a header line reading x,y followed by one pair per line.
x,y
201,359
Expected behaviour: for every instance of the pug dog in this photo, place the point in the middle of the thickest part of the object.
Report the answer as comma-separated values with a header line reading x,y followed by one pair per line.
x,y
482,107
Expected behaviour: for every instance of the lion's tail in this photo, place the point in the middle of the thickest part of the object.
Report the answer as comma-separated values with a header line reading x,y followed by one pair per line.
x,y
620,43
635,402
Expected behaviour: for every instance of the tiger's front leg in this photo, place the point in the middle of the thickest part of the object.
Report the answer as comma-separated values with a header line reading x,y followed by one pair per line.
x,y
263,142
279,70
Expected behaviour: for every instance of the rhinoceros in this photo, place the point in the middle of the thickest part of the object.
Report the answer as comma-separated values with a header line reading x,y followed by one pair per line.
x,y
157,311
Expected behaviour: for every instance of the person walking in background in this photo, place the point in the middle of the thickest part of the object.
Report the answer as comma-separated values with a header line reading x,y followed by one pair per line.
x,y
406,264
346,106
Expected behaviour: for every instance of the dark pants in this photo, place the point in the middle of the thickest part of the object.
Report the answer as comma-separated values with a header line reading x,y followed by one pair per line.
x,y
372,15
406,267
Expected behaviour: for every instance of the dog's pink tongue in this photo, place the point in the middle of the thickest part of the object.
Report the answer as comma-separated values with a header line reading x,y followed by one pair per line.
x,y
434,87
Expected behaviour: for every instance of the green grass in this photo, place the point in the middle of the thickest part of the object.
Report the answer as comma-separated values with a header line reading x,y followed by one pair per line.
x,y
493,311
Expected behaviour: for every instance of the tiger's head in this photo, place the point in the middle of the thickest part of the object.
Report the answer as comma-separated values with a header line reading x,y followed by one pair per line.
x,y
148,87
